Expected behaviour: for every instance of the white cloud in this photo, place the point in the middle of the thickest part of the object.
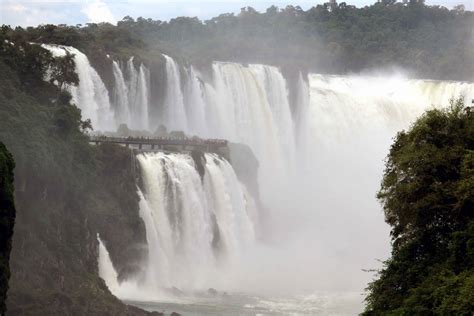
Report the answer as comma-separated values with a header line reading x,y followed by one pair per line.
x,y
98,11
32,13
16,7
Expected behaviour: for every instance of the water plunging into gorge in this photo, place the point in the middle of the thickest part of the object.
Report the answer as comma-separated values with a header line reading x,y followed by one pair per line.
x,y
205,222
320,150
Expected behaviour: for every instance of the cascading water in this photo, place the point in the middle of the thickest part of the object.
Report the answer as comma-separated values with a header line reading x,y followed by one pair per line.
x,y
132,95
189,220
142,97
106,269
250,105
195,104
132,81
195,228
175,113
91,95
122,111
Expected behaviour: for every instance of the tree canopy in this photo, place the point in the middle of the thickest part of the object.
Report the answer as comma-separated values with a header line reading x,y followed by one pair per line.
x,y
428,197
430,41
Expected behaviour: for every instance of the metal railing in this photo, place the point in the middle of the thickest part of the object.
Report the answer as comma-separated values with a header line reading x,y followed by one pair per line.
x,y
159,141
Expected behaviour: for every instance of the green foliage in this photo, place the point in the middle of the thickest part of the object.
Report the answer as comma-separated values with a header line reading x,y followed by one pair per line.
x,y
428,197
7,220
28,61
432,41
429,173
63,71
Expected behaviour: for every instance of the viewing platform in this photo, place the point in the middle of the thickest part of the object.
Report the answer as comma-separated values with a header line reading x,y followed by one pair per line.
x,y
163,143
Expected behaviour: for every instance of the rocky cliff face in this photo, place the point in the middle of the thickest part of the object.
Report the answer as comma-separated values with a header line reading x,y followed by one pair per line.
x,y
7,220
54,259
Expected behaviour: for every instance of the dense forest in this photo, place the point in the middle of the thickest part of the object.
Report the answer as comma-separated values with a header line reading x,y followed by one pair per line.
x,y
428,198
428,41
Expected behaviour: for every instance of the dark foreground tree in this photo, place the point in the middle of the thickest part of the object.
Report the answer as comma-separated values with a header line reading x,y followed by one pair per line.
x,y
7,220
63,71
428,197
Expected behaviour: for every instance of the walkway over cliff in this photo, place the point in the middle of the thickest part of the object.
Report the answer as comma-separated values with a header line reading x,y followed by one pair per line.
x,y
163,143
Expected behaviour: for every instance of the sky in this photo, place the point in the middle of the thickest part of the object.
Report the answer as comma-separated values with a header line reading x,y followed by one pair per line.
x,y
72,12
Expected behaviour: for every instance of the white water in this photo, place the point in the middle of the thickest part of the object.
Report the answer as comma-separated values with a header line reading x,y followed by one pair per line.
x,y
242,104
175,114
106,269
319,172
195,103
195,228
122,110
141,99
250,105
132,95
91,95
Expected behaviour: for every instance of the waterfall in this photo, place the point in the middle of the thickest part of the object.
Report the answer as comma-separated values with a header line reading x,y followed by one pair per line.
x,y
143,97
302,112
175,113
195,103
250,105
122,111
91,95
136,95
343,106
242,104
132,84
106,269
194,228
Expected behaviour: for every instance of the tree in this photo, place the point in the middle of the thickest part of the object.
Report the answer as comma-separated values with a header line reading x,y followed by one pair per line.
x,y
419,189
427,195
63,71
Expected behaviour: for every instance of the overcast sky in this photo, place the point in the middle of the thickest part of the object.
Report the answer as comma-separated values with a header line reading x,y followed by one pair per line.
x,y
34,12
